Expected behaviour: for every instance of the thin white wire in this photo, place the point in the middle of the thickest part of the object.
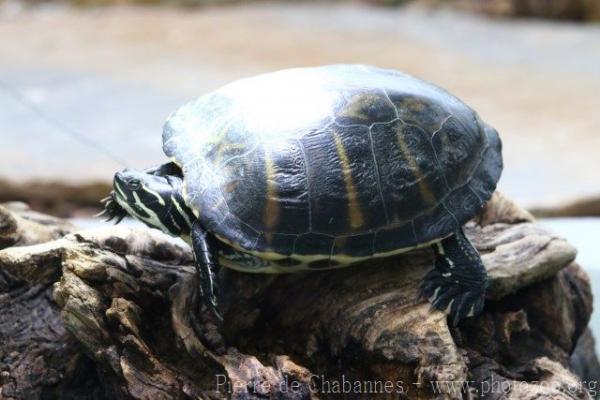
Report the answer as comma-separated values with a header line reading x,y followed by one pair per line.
x,y
18,96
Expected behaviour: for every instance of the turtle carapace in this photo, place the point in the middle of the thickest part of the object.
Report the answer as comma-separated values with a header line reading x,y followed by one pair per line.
x,y
318,168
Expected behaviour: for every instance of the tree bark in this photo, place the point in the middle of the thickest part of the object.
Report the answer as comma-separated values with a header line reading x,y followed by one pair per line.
x,y
124,320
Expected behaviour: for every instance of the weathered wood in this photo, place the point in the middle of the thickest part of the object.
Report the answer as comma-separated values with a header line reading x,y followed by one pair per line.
x,y
584,362
575,10
19,226
128,297
38,357
586,207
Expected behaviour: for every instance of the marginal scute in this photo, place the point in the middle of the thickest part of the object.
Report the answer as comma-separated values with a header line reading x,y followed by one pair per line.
x,y
461,202
315,161
324,263
491,164
445,221
240,234
285,242
313,243
386,239
355,245
288,262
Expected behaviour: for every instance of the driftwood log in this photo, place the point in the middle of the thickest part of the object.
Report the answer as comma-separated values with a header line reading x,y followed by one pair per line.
x,y
574,10
113,313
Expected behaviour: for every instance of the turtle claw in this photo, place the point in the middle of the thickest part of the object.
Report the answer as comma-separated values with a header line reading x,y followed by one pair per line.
x,y
112,210
457,305
462,305
100,214
215,311
457,283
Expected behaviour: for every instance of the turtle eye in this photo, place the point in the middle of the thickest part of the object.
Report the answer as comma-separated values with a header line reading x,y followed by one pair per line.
x,y
134,184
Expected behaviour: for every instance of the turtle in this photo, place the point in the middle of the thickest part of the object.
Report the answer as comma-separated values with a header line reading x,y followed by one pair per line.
x,y
315,168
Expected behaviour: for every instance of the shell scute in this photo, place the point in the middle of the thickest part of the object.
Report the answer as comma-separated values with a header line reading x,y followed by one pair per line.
x,y
446,221
386,239
424,110
365,108
313,243
458,150
355,245
325,182
410,179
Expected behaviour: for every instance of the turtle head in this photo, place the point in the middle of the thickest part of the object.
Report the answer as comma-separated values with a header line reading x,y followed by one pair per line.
x,y
155,200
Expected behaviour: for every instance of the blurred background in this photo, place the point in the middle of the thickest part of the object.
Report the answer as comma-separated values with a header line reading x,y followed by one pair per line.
x,y
86,85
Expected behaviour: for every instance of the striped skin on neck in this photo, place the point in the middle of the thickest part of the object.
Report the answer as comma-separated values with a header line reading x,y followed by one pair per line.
x,y
156,201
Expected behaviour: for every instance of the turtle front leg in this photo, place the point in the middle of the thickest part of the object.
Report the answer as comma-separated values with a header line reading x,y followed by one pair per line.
x,y
458,282
207,267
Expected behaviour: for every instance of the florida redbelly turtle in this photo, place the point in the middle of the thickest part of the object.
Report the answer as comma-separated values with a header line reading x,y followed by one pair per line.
x,y
319,168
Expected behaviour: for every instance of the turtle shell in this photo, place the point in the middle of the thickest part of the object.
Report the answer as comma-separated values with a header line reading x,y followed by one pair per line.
x,y
336,160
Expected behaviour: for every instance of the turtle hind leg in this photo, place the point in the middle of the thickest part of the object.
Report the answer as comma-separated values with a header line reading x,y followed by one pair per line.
x,y
457,283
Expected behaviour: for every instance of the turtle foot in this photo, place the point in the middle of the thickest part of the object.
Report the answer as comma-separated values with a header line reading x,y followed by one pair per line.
x,y
454,299
458,282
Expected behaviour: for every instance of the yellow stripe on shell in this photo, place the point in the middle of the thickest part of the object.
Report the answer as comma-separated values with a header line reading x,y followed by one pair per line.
x,y
426,192
354,211
271,210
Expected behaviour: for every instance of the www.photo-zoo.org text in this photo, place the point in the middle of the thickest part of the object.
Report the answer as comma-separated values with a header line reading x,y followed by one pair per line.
x,y
347,385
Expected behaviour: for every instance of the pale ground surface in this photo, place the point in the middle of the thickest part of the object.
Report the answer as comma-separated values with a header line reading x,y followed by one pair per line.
x,y
115,74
